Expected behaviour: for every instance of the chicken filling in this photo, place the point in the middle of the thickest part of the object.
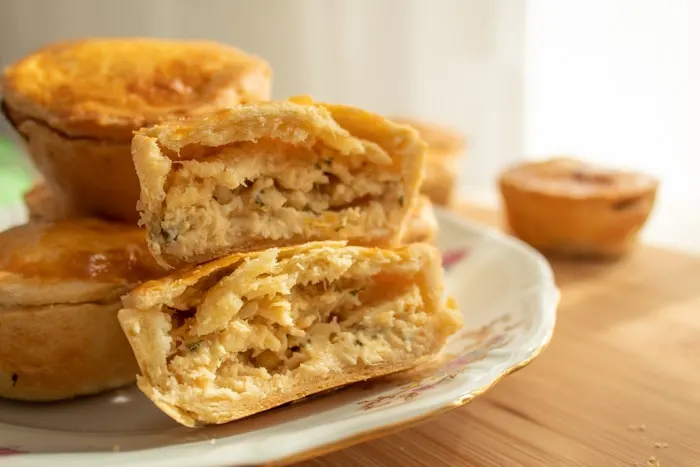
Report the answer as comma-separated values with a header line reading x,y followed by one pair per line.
x,y
261,192
295,323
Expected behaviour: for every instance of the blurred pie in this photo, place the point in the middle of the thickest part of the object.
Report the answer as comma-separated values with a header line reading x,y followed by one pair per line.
x,y
274,174
445,147
422,225
60,289
77,103
248,332
563,205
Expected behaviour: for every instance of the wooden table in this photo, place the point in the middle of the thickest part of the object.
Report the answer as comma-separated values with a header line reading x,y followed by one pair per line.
x,y
618,386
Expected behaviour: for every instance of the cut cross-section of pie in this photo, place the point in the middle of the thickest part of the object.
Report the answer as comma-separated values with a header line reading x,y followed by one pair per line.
x,y
251,331
275,174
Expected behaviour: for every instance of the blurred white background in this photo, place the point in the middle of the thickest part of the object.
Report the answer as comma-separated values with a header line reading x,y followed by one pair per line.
x,y
607,81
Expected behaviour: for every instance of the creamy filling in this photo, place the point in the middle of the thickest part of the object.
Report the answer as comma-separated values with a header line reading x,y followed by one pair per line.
x,y
234,196
242,339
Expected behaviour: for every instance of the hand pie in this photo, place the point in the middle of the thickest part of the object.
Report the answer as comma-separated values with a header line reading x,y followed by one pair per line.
x,y
77,103
60,288
423,225
565,206
249,332
275,174
445,147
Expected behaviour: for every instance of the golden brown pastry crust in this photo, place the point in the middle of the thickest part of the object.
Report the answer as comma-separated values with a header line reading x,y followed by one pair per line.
x,y
77,103
445,147
107,88
295,135
57,352
60,288
72,261
212,398
563,205
422,225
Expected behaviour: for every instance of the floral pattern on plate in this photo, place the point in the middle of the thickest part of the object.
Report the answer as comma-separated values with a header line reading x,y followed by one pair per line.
x,y
473,346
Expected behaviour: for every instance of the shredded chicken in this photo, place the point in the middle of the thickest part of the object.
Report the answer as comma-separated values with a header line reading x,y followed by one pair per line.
x,y
256,324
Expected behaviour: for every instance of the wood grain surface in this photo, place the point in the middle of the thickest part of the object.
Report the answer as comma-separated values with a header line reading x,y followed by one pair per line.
x,y
618,386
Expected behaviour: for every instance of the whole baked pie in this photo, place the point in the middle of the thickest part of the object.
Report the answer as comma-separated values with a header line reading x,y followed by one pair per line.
x,y
445,147
60,289
273,174
566,206
77,104
252,331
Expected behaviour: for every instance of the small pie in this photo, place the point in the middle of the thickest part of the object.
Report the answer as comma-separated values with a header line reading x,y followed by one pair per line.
x,y
252,331
445,147
423,225
274,174
566,206
60,289
77,104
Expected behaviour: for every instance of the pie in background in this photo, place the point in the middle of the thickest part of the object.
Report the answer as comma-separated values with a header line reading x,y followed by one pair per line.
x,y
445,149
566,206
423,225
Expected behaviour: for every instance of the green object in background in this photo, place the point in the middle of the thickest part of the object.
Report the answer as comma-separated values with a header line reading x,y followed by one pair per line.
x,y
15,178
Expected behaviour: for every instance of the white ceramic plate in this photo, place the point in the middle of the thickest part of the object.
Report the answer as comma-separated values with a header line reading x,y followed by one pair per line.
x,y
505,290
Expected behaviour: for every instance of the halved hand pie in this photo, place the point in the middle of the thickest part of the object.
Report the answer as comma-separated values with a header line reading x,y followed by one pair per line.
x,y
274,174
249,332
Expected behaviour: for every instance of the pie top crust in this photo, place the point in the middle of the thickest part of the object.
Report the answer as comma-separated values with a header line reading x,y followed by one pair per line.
x,y
568,178
72,261
107,88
